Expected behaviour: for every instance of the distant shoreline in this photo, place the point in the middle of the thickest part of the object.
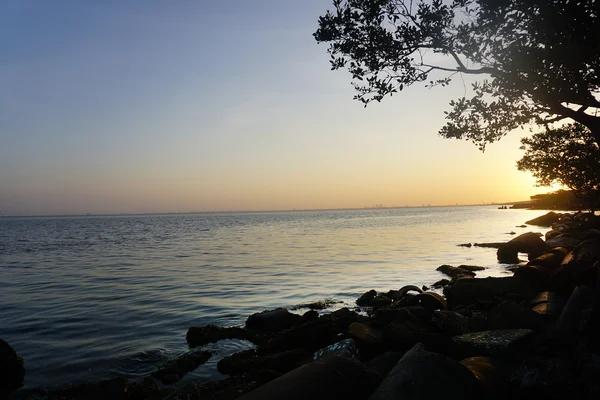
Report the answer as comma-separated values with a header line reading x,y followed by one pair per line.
x,y
248,211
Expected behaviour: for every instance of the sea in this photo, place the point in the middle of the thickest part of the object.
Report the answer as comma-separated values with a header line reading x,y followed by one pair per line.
x,y
94,297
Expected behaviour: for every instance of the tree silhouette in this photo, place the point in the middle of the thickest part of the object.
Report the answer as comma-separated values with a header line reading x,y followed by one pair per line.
x,y
568,155
540,58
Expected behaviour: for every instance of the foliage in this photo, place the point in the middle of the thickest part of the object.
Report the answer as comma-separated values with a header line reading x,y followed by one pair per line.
x,y
568,156
561,200
541,58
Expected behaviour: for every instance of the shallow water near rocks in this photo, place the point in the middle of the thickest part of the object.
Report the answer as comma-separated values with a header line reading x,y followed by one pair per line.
x,y
89,298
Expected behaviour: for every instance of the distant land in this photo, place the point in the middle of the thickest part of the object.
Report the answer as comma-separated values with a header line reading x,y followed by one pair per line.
x,y
376,207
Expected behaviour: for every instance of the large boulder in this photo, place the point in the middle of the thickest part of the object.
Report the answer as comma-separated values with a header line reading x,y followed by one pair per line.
x,y
529,243
545,220
272,320
486,292
323,379
508,315
252,361
12,371
421,374
563,240
502,342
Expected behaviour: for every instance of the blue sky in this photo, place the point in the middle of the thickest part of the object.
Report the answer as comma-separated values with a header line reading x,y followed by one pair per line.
x,y
156,106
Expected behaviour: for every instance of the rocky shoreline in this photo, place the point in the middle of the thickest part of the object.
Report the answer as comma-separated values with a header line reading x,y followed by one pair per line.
x,y
530,334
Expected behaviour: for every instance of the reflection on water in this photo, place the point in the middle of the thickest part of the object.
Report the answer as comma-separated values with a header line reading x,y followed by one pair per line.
x,y
91,297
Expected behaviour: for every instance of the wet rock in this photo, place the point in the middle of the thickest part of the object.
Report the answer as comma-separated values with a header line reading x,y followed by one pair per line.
x,y
314,335
201,335
226,389
492,343
521,226
551,259
114,389
469,292
570,319
454,272
345,348
310,315
252,361
494,245
529,243
421,374
472,268
366,298
174,370
545,220
145,389
326,378
508,315
12,370
318,305
465,245
440,284
272,320
451,323
551,234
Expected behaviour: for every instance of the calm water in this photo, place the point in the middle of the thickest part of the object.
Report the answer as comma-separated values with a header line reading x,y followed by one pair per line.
x,y
88,298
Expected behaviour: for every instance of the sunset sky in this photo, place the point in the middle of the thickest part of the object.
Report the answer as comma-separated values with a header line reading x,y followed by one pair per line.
x,y
156,106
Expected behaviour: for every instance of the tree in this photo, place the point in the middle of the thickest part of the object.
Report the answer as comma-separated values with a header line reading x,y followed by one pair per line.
x,y
540,58
568,156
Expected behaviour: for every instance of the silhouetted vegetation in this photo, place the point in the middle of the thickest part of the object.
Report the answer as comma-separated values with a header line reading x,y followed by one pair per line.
x,y
562,200
541,58
568,156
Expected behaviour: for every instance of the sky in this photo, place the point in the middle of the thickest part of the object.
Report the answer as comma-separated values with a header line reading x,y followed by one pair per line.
x,y
148,106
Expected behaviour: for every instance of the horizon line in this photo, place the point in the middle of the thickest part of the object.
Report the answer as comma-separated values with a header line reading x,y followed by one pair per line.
x,y
259,211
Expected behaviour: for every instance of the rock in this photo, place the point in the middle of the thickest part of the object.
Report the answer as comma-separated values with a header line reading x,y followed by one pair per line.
x,y
465,245
450,322
365,333
323,379
174,370
492,343
12,370
471,268
551,234
384,363
521,226
491,374
310,315
431,301
548,304
468,292
565,241
545,220
366,298
201,335
272,320
109,389
551,259
314,335
454,272
421,374
577,267
416,314
529,243
345,348
509,315
145,389
440,284
570,319
495,245
226,389
317,305
252,361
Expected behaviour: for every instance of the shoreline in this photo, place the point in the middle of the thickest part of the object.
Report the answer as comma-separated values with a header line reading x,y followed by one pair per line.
x,y
423,317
